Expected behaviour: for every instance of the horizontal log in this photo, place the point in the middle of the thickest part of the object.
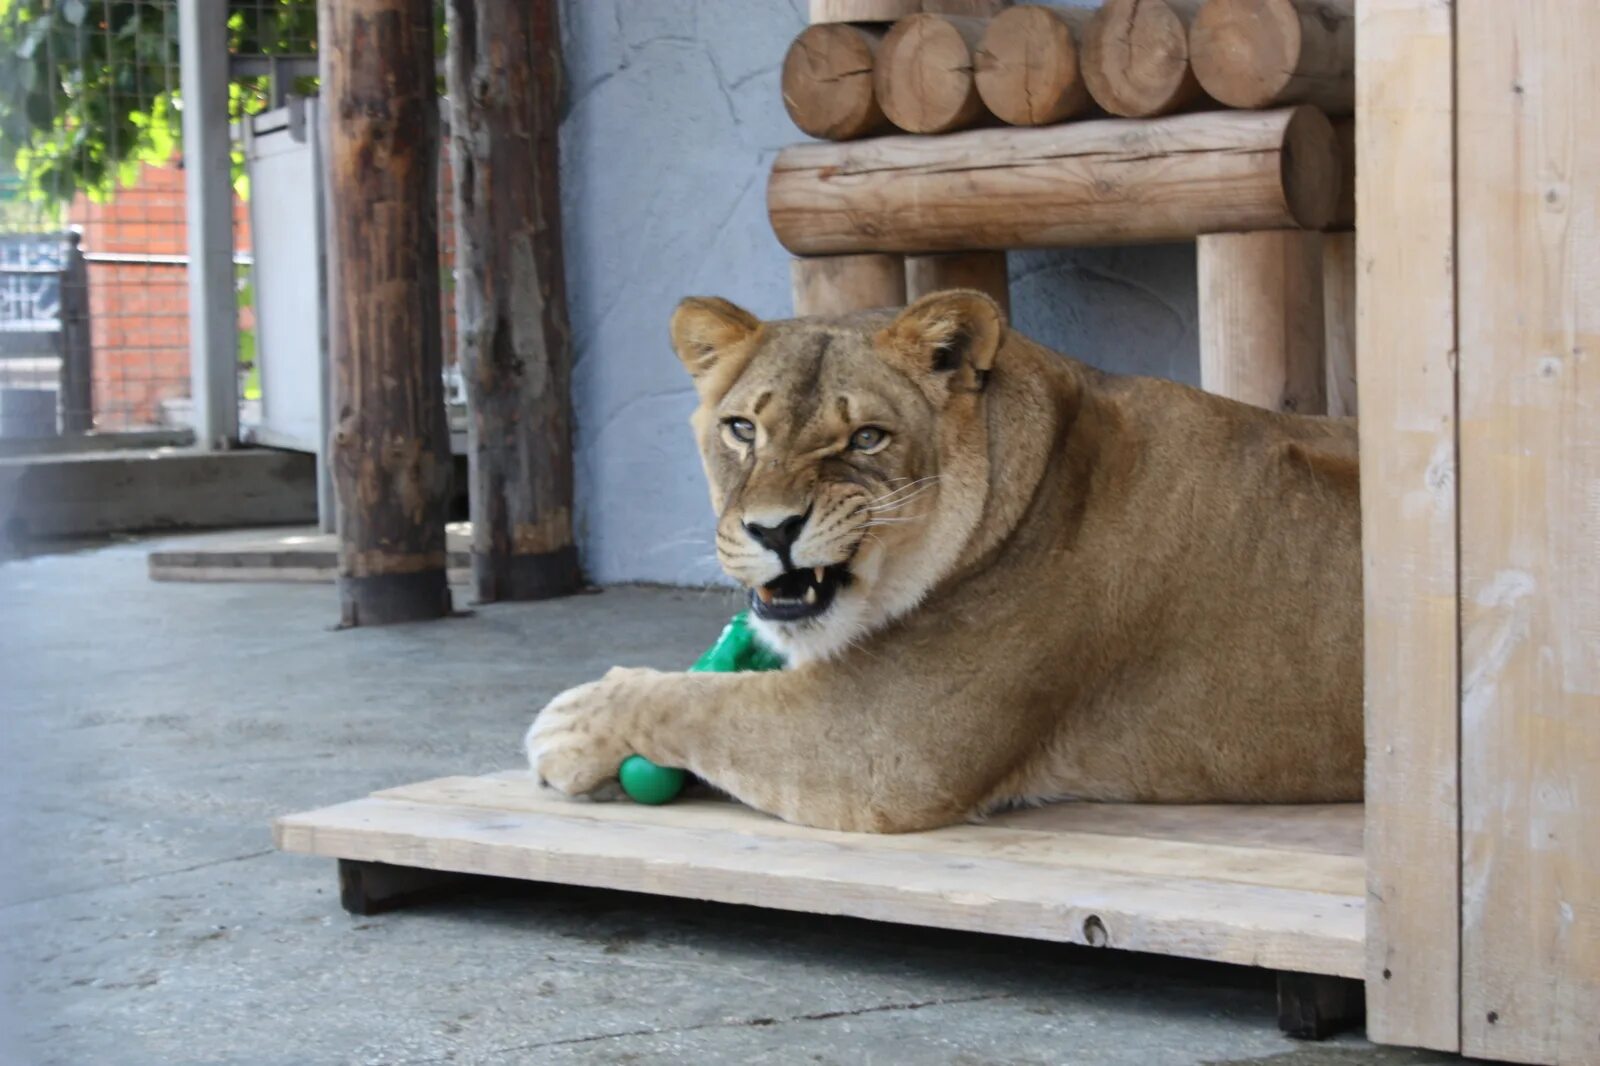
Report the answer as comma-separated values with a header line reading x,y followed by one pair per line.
x,y
1109,181
890,10
1028,72
1272,53
1135,57
827,82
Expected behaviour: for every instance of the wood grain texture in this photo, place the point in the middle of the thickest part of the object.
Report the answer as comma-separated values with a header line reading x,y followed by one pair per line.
x,y
1136,57
1528,185
1261,319
1344,214
890,10
1096,182
1268,53
924,74
513,337
1122,891
1405,292
827,82
984,271
838,284
1027,68
1339,321
390,450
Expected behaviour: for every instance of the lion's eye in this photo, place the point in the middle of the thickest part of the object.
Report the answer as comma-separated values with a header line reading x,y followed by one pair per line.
x,y
741,429
868,439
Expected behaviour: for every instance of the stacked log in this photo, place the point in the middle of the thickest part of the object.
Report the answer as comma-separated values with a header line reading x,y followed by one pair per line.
x,y
925,76
1268,53
1136,57
1027,66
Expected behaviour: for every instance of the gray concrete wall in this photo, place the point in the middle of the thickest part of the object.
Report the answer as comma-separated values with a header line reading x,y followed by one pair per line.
x,y
674,118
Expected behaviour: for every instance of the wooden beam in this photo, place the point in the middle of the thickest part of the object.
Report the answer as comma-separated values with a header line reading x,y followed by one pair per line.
x,y
1528,208
391,447
1405,290
1268,53
890,10
1261,324
1339,320
1027,68
1097,182
827,82
1136,57
984,271
924,73
838,284
512,335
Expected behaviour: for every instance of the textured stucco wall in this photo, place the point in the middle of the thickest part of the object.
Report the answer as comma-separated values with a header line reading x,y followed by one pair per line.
x,y
674,117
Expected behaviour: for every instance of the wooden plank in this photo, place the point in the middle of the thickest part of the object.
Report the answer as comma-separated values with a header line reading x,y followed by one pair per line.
x,y
1405,192
890,10
1529,243
1016,842
1261,326
292,557
1339,321
1280,928
1325,828
1104,181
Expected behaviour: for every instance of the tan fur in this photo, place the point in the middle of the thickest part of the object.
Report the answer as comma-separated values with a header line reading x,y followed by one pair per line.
x,y
1069,584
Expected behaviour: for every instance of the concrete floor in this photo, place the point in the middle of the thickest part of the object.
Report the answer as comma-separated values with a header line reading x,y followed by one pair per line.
x,y
152,731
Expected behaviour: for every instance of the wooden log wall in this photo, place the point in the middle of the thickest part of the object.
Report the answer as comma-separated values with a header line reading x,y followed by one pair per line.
x,y
1136,57
1028,69
1268,53
924,73
391,447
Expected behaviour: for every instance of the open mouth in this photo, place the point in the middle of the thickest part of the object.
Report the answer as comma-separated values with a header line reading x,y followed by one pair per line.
x,y
799,594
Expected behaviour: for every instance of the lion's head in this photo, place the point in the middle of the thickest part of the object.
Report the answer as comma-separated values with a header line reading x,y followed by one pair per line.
x,y
847,457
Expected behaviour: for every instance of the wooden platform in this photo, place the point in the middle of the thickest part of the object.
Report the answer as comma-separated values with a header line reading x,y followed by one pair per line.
x,y
1278,887
297,554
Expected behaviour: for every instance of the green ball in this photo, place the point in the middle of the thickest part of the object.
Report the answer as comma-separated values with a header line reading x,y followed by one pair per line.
x,y
647,783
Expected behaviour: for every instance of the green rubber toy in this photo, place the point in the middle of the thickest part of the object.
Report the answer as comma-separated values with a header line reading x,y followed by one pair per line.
x,y
737,649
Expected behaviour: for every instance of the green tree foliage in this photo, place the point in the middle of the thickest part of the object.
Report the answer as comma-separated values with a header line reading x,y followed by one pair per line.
x,y
89,88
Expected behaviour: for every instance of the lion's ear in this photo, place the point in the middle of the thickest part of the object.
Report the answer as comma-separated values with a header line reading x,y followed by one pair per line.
x,y
708,329
946,341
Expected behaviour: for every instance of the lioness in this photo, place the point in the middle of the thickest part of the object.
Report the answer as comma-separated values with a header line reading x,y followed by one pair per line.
x,y
1000,577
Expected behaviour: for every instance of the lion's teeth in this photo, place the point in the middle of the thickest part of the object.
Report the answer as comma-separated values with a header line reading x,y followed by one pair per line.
x,y
765,594
811,594
821,572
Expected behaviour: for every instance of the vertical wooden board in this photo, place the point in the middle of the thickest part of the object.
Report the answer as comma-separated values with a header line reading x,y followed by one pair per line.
x,y
1529,190
1339,320
1405,190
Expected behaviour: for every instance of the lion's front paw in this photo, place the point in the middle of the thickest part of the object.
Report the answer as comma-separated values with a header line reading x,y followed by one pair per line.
x,y
577,742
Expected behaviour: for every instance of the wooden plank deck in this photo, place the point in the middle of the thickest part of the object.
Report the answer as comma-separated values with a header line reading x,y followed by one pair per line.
x,y
1279,887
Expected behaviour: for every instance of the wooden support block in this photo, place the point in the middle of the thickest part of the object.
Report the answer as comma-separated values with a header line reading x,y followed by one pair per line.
x,y
1339,320
1261,324
1136,57
984,271
924,76
391,445
1104,181
375,887
1028,72
827,82
1268,53
891,10
513,336
837,284
1315,1007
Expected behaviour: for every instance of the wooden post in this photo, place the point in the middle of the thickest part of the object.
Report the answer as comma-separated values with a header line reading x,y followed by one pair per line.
x,y
1027,66
923,74
984,271
836,284
513,338
1136,57
77,350
890,10
1267,53
1528,327
1339,320
827,81
390,447
1261,328
1107,181
1406,331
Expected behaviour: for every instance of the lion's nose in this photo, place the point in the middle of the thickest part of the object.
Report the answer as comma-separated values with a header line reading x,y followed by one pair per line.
x,y
779,537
